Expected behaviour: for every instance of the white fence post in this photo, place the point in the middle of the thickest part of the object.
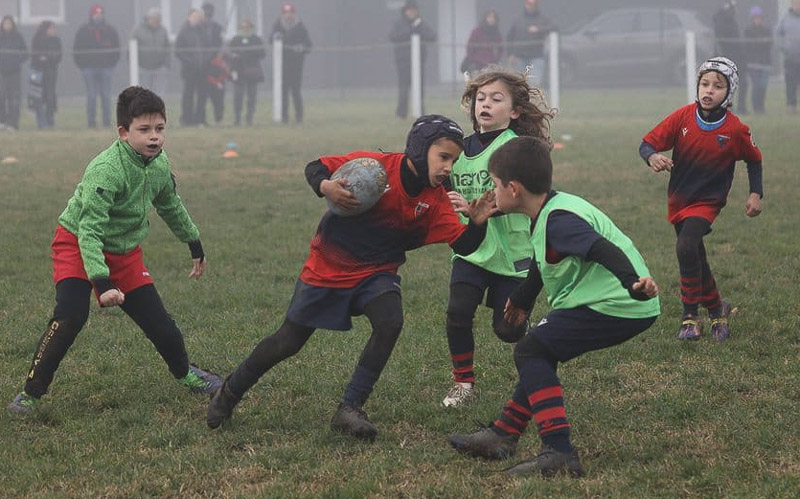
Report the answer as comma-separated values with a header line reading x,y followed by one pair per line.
x,y
277,78
691,64
416,76
555,77
133,61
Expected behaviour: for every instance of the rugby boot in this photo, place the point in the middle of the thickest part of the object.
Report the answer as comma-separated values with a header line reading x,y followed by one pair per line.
x,y
459,394
220,408
548,463
691,327
353,421
200,381
23,404
719,323
486,443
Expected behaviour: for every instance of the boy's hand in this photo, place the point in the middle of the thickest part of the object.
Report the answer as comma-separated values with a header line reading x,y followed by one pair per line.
x,y
482,208
659,163
647,286
513,314
458,202
198,267
112,298
338,195
753,205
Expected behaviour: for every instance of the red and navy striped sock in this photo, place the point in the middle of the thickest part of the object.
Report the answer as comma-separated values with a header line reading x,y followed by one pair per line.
x,y
691,290
463,367
516,414
710,297
546,401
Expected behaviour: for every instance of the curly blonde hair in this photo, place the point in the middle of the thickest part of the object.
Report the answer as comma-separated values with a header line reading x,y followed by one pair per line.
x,y
535,115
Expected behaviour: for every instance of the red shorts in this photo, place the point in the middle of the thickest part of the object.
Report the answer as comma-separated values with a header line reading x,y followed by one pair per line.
x,y
127,271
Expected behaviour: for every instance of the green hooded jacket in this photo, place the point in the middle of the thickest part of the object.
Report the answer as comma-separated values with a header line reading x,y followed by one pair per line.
x,y
109,210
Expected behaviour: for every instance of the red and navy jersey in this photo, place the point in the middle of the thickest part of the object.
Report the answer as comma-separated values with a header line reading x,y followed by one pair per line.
x,y
347,250
703,161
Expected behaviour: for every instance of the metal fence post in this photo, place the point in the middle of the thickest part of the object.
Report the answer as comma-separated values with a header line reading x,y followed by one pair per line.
x,y
416,76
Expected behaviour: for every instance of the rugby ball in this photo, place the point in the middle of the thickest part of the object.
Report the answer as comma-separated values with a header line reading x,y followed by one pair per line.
x,y
366,179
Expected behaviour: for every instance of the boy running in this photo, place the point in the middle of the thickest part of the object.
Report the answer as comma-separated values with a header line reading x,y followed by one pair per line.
x,y
352,267
97,246
706,139
597,285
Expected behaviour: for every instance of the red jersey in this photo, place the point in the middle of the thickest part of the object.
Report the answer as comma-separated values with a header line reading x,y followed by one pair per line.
x,y
347,250
704,161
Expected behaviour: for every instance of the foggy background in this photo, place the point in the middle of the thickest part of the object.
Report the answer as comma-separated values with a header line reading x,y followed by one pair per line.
x,y
351,50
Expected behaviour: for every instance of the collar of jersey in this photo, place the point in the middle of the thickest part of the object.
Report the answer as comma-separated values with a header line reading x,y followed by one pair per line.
x,y
705,125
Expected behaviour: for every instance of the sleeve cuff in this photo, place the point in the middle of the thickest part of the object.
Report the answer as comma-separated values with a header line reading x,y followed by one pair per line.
x,y
102,284
196,248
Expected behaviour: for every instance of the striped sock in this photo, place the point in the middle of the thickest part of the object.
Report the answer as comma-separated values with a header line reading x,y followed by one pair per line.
x,y
691,291
710,297
463,367
516,414
547,405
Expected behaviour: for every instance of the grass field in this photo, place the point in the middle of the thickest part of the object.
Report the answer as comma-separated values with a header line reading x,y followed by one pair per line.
x,y
651,418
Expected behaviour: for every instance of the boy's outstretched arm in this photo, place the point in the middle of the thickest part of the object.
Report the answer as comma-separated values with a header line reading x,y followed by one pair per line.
x,y
521,301
198,259
754,174
614,259
479,212
655,160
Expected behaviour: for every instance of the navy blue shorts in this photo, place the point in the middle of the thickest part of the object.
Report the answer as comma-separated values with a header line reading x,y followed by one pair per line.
x,y
571,332
497,287
332,308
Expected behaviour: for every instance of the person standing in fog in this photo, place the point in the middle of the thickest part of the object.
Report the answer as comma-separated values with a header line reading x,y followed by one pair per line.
x,y
788,37
410,23
213,86
13,52
96,52
154,52
758,59
296,44
46,55
189,50
246,52
485,44
525,42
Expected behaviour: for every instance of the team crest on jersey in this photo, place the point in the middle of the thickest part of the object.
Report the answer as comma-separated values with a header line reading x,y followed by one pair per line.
x,y
684,131
421,209
723,140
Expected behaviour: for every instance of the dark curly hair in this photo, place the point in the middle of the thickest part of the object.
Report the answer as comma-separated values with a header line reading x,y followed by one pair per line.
x,y
534,118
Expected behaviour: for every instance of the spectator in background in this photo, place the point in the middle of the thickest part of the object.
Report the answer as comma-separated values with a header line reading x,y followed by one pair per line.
x,y
154,52
296,44
485,45
13,52
213,86
525,42
189,49
788,36
409,23
245,53
758,60
726,33
45,57
96,52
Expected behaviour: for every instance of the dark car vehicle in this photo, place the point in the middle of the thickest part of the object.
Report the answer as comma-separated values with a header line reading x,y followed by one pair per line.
x,y
633,45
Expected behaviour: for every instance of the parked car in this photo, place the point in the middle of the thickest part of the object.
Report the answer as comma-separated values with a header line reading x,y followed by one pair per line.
x,y
633,45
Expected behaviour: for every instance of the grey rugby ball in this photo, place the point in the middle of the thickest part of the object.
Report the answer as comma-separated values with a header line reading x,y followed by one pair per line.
x,y
366,179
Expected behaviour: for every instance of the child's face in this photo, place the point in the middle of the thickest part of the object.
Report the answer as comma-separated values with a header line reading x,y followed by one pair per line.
x,y
146,134
711,90
494,107
441,156
504,196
